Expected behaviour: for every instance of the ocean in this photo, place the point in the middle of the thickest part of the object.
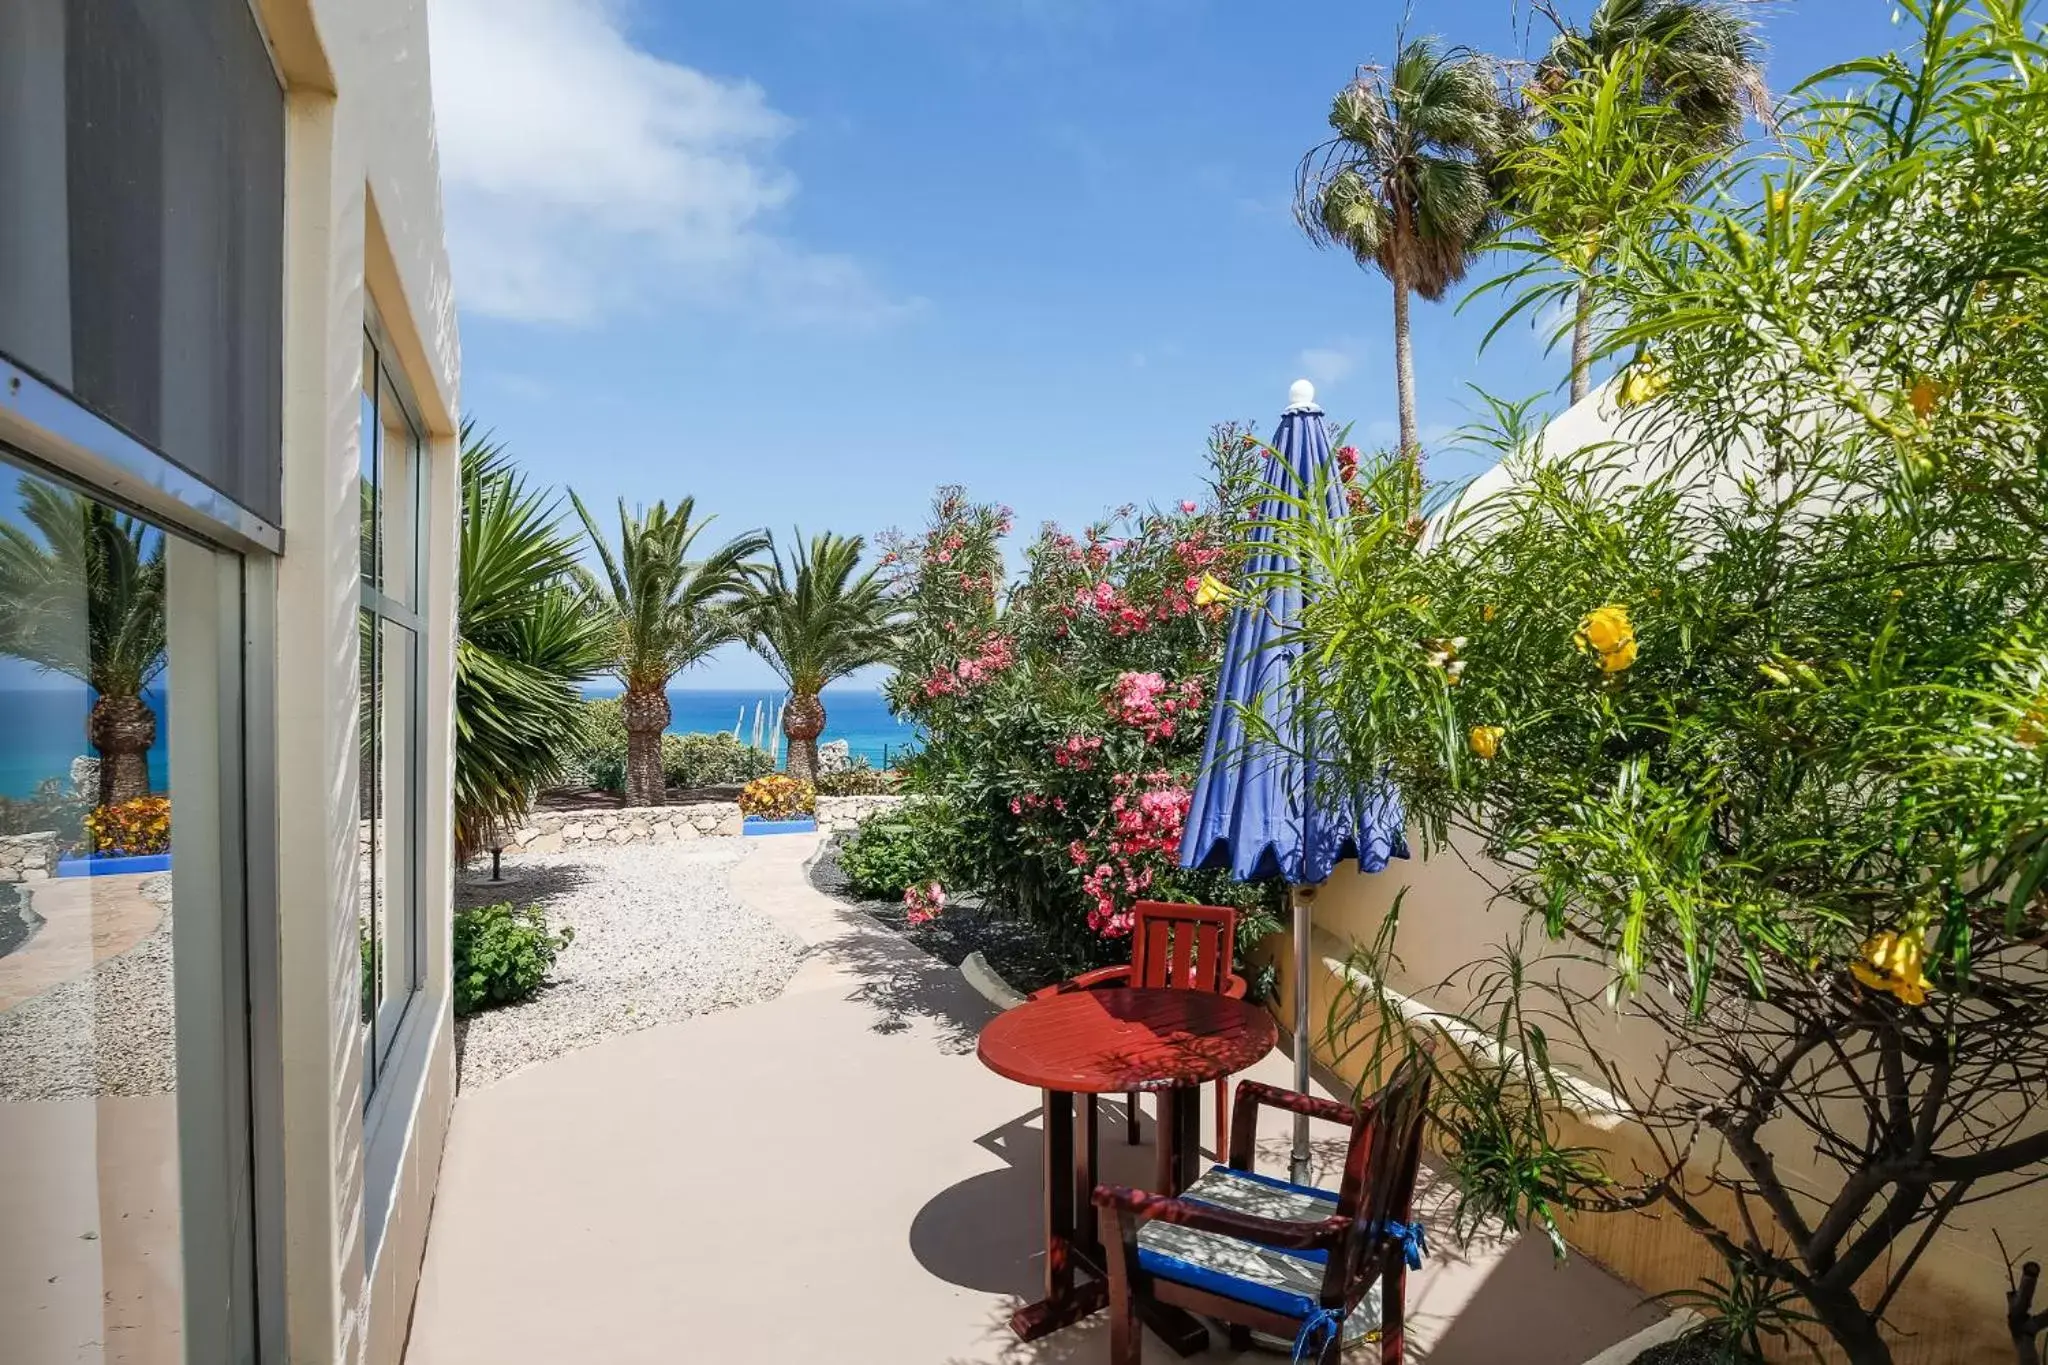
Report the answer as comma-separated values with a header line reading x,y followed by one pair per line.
x,y
856,715
43,728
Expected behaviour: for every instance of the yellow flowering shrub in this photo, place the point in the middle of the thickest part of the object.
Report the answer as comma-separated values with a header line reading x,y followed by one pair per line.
x,y
132,828
778,797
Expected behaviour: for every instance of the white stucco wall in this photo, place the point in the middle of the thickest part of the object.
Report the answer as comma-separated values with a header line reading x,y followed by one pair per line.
x,y
362,223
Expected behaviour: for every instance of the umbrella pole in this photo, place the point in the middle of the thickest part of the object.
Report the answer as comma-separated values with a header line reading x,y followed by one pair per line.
x,y
1304,917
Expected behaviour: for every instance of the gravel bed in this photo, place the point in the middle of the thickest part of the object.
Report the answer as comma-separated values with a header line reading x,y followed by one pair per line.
x,y
1019,951
109,1032
659,937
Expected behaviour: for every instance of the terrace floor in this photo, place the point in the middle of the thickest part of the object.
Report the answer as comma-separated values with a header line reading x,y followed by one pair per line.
x,y
832,1174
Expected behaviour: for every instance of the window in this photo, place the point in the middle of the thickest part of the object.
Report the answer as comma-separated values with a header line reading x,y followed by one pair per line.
x,y
390,776
122,966
142,225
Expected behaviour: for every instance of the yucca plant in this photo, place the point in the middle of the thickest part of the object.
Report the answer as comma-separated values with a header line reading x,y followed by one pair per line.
x,y
87,600
525,643
1406,185
815,619
662,611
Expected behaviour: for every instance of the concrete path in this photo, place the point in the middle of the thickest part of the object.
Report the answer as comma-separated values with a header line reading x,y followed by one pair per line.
x,y
831,1175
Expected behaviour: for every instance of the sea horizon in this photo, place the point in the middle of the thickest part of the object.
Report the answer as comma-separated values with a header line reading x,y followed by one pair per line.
x,y
858,715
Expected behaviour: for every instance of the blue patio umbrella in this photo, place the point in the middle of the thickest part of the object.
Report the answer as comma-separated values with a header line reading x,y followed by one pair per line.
x,y
1258,808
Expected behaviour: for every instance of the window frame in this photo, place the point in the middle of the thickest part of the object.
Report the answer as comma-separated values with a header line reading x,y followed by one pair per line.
x,y
387,1044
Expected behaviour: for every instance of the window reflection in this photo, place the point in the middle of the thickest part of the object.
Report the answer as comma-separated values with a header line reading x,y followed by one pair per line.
x,y
89,1075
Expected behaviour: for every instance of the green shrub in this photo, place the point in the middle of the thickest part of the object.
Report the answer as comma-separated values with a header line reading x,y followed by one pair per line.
x,y
897,850
502,954
859,780
713,760
53,807
601,747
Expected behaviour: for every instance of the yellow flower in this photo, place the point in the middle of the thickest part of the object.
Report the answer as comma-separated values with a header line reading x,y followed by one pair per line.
x,y
1211,590
1645,380
1891,961
2033,726
1924,394
1779,200
1486,612
1486,739
1609,634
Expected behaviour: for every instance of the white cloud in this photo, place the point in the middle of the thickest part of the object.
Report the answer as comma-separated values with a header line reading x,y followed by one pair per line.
x,y
584,175
1326,366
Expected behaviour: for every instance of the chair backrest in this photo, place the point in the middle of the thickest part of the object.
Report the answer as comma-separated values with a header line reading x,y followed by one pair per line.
x,y
1187,947
1380,1171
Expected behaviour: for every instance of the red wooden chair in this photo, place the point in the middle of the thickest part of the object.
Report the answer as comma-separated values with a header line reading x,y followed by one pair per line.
x,y
1186,947
1260,1253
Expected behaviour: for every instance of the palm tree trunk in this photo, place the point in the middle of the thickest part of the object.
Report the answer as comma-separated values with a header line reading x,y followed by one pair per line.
x,y
803,720
1582,342
646,715
122,729
1404,353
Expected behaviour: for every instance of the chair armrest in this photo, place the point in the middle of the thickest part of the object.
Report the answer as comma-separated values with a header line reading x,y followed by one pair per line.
x,y
1088,981
1236,988
1283,1233
1252,1095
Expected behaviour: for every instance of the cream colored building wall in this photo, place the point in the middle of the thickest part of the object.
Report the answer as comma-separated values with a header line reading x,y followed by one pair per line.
x,y
1952,1311
363,226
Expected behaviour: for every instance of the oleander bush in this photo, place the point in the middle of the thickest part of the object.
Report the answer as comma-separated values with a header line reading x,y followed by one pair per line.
x,y
503,954
1064,713
778,797
1747,710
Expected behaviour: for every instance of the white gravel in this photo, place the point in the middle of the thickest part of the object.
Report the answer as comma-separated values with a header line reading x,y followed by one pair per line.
x,y
109,1032
659,937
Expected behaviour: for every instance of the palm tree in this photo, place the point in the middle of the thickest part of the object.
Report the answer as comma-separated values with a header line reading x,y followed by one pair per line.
x,y
664,612
87,600
1406,185
815,620
1698,60
524,644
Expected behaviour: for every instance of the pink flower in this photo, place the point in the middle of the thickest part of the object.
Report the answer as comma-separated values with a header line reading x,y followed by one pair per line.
x,y
922,904
1188,505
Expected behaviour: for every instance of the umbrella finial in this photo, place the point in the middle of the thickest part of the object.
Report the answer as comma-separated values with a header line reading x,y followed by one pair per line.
x,y
1301,394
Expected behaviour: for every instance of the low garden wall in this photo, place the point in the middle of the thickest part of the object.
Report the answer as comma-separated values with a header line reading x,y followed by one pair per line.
x,y
553,831
28,857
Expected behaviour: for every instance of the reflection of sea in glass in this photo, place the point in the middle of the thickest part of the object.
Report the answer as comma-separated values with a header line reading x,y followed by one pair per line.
x,y
88,1023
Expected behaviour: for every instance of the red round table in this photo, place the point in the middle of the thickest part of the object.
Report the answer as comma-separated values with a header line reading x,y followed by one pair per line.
x,y
1106,1042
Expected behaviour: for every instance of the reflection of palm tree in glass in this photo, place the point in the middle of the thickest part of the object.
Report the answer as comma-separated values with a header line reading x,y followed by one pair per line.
x,y
88,601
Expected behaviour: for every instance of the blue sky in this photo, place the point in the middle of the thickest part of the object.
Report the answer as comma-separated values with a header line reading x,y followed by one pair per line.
x,y
807,259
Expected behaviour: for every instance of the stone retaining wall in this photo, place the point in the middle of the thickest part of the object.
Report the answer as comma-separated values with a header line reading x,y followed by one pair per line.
x,y
551,831
28,857
837,814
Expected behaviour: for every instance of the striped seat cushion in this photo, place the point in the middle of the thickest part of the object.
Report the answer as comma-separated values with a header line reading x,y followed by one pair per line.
x,y
1281,1281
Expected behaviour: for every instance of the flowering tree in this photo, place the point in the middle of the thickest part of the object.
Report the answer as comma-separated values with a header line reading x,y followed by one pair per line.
x,y
1750,714
1065,713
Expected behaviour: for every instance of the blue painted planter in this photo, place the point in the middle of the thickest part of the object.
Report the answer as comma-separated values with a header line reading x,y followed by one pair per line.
x,y
757,825
109,866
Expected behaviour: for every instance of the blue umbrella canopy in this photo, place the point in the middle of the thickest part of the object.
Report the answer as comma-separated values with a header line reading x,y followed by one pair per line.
x,y
1257,807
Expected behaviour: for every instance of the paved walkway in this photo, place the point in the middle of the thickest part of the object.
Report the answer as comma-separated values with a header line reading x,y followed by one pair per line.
x,y
831,1175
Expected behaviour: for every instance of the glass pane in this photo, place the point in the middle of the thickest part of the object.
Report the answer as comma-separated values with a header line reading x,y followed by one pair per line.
x,y
91,1204
141,224
367,478
398,456
368,711
394,844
